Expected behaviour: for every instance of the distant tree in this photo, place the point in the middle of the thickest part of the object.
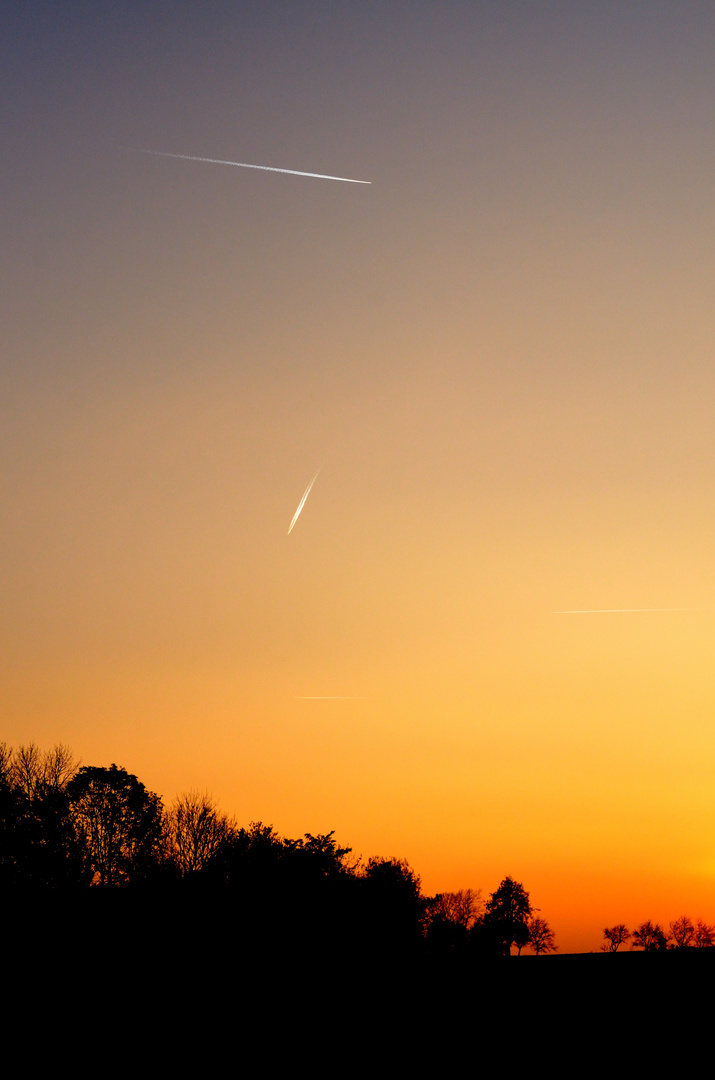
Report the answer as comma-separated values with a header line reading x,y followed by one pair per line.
x,y
682,931
507,915
615,936
195,831
649,936
541,936
704,935
118,822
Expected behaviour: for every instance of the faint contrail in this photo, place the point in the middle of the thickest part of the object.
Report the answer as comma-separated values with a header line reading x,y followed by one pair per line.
x,y
329,697
301,504
243,165
619,611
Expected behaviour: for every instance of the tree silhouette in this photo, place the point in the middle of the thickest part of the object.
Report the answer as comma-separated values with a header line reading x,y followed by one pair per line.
x,y
249,859
34,771
38,848
462,908
118,822
448,918
649,936
507,915
395,878
704,935
682,931
615,936
195,831
392,903
541,937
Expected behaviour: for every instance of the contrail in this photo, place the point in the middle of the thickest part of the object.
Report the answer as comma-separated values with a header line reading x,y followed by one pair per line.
x,y
301,504
619,611
330,697
243,165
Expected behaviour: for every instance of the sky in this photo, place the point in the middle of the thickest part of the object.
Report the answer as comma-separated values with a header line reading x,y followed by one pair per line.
x,y
498,355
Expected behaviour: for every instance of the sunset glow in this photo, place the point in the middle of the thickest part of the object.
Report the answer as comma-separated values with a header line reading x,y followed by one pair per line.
x,y
502,355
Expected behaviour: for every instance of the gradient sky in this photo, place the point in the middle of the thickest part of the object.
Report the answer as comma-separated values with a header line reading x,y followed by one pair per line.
x,y
499,355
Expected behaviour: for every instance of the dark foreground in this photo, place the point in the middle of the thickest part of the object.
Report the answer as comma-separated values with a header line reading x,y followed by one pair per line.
x,y
197,985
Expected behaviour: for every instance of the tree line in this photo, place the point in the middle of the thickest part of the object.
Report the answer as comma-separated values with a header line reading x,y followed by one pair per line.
x,y
68,827
682,933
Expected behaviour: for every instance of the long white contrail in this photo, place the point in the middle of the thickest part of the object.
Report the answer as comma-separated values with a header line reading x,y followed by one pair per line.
x,y
619,611
301,504
243,165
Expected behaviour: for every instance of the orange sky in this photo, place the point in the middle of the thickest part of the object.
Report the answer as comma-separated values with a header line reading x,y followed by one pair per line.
x,y
499,354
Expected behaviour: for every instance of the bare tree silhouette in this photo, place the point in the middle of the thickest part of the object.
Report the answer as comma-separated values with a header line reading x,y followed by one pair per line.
x,y
615,936
32,769
462,908
195,831
541,936
649,936
704,935
682,931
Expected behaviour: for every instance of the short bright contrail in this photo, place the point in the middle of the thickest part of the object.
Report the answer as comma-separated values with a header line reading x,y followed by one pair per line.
x,y
619,611
301,504
243,165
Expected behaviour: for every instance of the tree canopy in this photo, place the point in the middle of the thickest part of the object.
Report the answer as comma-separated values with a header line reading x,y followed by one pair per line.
x,y
118,822
507,915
